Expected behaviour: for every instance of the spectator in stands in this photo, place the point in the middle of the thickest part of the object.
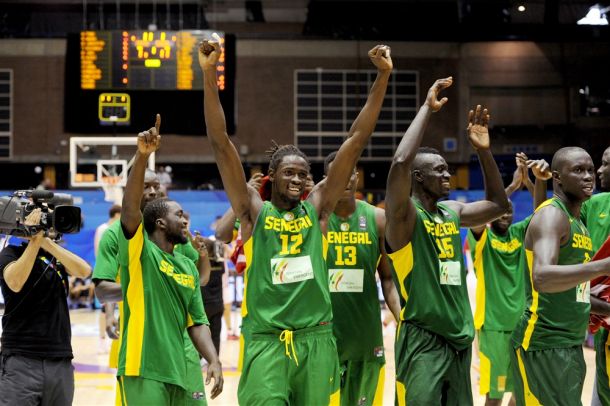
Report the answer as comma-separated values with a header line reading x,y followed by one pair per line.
x,y
36,350
165,177
82,293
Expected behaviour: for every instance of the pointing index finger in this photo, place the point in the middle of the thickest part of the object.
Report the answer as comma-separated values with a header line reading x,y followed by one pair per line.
x,y
158,123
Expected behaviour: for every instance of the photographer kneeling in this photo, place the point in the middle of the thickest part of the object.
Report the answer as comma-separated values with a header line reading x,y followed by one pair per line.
x,y
36,354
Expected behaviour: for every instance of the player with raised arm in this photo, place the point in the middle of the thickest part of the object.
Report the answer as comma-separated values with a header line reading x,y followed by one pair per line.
x,y
434,337
500,284
160,288
290,351
547,361
356,253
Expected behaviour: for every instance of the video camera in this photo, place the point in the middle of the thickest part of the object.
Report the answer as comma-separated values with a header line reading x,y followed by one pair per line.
x,y
58,215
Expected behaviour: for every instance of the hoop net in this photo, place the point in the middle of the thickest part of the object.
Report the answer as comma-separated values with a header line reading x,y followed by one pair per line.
x,y
113,191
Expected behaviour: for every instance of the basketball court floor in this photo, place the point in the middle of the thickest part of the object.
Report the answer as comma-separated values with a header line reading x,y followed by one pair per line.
x,y
95,381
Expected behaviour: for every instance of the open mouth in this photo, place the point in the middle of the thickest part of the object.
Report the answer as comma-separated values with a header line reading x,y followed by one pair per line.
x,y
295,189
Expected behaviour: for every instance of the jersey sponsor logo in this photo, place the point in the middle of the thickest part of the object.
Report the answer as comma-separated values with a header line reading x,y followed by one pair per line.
x,y
378,352
282,224
346,280
450,273
288,216
362,222
348,237
582,241
198,395
583,292
441,229
180,278
506,246
291,269
603,215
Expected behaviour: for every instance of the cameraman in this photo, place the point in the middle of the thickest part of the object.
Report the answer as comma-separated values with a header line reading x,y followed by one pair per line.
x,y
35,362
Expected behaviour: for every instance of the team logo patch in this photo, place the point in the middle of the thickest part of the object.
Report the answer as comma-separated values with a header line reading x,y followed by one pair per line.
x,y
344,227
288,216
362,401
362,222
198,395
378,351
438,220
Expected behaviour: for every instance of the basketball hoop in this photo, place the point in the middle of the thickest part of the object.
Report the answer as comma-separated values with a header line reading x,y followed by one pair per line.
x,y
113,190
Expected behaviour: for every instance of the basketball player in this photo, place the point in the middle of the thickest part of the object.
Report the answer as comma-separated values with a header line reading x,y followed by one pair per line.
x,y
290,352
547,361
435,334
355,253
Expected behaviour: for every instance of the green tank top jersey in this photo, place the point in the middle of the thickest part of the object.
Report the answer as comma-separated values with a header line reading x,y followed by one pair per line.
x,y
353,255
500,284
595,213
286,279
430,277
557,320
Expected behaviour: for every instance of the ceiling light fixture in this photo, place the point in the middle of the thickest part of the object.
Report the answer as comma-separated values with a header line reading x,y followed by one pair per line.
x,y
595,16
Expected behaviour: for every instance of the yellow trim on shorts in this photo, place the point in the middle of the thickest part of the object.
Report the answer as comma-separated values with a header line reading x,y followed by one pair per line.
x,y
484,372
335,398
530,398
121,399
401,393
479,313
137,309
402,264
240,357
248,247
378,398
531,323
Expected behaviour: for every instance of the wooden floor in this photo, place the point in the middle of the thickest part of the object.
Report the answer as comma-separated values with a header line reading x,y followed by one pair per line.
x,y
95,382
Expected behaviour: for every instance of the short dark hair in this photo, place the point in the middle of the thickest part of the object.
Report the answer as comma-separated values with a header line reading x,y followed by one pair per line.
x,y
153,211
114,210
329,160
278,152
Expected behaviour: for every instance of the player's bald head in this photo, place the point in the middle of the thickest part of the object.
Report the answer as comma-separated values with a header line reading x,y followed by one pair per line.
x,y
424,157
564,156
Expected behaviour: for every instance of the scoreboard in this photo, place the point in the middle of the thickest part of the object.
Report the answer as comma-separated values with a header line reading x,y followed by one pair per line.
x,y
145,60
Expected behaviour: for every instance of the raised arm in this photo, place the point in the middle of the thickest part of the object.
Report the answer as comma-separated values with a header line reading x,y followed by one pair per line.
x,y
516,183
495,203
542,171
399,209
325,198
131,216
546,232
390,294
246,205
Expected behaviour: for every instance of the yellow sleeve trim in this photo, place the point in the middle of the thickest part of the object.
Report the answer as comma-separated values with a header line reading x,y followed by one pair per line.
x,y
479,313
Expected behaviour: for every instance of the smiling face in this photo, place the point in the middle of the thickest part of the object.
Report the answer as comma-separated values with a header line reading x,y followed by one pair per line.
x,y
576,175
176,225
604,172
432,175
290,178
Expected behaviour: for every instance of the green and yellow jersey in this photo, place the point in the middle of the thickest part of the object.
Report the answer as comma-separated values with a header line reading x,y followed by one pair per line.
x,y
500,297
286,279
161,298
430,277
353,255
556,320
595,213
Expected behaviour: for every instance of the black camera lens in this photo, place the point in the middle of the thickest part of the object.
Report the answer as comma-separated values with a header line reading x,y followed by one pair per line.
x,y
67,219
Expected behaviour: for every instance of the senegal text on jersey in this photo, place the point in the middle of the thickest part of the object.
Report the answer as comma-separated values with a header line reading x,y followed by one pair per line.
x,y
442,229
582,241
181,279
506,246
348,237
293,226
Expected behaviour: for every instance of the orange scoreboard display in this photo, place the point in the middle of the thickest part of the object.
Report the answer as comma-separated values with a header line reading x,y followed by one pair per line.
x,y
144,60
